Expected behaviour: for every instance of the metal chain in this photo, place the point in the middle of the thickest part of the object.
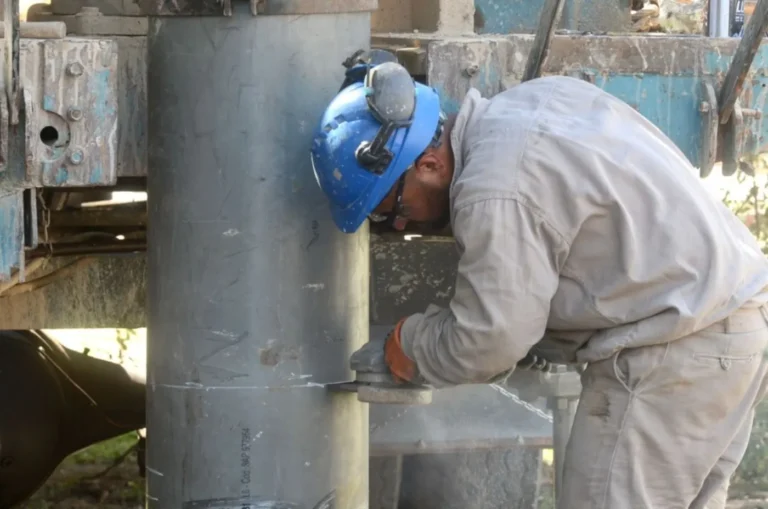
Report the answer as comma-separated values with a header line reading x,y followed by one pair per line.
x,y
538,411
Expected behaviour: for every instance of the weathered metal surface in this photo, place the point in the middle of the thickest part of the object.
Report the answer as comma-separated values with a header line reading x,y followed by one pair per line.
x,y
258,7
12,238
544,32
107,7
522,16
406,276
11,55
92,23
659,76
596,16
256,300
68,132
39,30
754,34
79,87
280,7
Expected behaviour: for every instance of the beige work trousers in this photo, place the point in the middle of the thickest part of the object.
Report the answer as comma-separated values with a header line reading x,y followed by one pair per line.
x,y
664,427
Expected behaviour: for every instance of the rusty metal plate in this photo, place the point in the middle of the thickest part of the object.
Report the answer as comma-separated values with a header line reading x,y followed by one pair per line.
x,y
70,121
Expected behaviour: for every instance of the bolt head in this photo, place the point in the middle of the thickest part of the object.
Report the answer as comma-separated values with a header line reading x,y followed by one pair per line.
x,y
76,157
472,70
75,114
704,107
75,69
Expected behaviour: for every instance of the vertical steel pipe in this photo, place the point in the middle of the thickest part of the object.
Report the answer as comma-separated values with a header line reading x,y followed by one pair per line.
x,y
255,300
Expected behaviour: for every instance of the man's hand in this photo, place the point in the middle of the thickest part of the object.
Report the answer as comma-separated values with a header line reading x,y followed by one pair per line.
x,y
534,363
386,356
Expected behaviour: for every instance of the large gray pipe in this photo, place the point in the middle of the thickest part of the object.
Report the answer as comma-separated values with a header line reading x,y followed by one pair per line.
x,y
255,300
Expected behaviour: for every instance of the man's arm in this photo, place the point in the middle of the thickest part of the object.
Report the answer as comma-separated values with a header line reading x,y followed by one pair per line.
x,y
507,275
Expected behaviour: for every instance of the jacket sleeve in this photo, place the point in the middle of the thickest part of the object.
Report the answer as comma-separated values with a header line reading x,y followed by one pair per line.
x,y
508,273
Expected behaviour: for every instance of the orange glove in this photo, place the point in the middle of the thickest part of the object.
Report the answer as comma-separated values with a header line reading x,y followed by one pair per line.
x,y
403,369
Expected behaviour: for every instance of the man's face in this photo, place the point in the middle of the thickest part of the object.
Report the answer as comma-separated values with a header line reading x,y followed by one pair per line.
x,y
422,194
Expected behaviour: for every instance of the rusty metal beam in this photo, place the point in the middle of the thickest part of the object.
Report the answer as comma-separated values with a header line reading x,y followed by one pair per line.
x,y
754,34
547,24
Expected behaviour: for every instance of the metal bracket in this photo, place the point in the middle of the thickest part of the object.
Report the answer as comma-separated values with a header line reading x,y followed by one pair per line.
x,y
709,128
69,97
733,139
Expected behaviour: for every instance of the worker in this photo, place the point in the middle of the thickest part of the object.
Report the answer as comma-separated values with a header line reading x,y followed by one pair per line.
x,y
585,236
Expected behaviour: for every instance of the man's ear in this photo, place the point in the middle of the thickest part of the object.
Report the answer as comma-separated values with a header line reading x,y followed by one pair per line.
x,y
429,167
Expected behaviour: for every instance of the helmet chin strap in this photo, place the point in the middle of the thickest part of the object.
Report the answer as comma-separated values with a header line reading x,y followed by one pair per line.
x,y
398,218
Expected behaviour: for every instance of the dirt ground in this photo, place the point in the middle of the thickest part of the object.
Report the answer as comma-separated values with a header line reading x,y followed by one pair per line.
x,y
87,481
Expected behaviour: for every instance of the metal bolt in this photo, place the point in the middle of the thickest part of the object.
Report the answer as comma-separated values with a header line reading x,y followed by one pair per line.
x,y
751,113
76,157
75,114
704,107
75,69
472,69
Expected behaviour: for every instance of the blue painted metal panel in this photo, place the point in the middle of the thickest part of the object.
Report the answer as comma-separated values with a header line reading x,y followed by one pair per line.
x,y
11,233
660,77
522,16
507,16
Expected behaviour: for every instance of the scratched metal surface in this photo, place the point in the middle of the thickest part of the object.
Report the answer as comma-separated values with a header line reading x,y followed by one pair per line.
x,y
255,299
659,76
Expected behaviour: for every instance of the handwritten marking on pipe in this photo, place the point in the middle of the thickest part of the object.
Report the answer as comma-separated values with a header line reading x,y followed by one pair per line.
x,y
314,286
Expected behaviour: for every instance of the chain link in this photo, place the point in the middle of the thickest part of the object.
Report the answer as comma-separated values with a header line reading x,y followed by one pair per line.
x,y
538,411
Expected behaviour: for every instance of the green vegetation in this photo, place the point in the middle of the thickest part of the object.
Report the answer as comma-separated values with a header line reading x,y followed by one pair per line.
x,y
99,476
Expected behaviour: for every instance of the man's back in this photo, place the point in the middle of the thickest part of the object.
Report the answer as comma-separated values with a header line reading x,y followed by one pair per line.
x,y
649,255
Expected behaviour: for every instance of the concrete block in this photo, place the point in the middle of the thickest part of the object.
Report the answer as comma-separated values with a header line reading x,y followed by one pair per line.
x,y
393,16
449,17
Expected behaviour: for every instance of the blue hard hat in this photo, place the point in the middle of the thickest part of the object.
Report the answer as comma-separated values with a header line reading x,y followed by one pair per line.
x,y
368,137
